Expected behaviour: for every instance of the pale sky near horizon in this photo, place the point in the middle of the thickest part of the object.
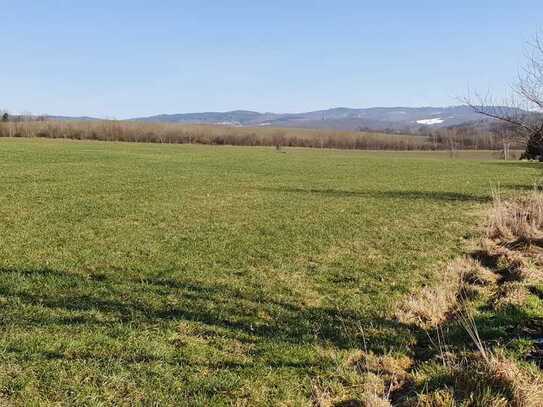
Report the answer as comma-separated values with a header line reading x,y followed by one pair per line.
x,y
123,59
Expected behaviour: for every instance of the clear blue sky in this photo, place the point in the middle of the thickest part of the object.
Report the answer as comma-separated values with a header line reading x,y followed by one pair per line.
x,y
132,58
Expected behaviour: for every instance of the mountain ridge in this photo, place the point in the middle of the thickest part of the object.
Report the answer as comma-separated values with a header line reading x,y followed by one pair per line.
x,y
339,118
393,119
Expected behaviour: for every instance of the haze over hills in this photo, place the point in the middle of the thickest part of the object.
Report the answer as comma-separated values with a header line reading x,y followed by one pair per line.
x,y
393,119
377,118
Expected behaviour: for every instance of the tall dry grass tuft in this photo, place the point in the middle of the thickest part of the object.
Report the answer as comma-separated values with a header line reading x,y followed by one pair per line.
x,y
492,380
526,386
516,219
521,387
467,320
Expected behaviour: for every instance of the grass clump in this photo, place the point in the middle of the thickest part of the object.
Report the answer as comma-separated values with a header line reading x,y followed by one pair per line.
x,y
432,305
377,379
518,219
473,380
513,293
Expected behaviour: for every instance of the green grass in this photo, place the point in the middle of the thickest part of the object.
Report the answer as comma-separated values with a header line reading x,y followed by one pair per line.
x,y
182,274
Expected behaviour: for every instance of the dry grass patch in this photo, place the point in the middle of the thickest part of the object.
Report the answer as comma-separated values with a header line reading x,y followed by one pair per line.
x,y
440,398
513,265
516,219
473,380
514,235
383,375
467,379
371,394
389,365
510,265
477,275
521,387
367,380
525,385
511,293
431,306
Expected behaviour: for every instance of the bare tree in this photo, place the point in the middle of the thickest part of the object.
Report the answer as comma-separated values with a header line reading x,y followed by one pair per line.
x,y
524,110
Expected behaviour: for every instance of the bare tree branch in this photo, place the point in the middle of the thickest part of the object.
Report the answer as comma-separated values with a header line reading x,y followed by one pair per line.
x,y
525,109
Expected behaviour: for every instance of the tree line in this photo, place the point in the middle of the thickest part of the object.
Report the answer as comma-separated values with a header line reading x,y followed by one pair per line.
x,y
450,139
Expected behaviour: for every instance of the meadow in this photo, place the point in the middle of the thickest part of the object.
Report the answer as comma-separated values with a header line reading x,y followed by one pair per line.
x,y
137,273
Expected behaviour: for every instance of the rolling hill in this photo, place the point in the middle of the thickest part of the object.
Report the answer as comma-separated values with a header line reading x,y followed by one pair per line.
x,y
378,118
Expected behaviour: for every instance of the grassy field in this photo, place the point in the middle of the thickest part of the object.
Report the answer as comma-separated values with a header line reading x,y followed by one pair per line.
x,y
183,274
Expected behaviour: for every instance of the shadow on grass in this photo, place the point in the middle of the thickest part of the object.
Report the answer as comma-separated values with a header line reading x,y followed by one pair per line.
x,y
537,291
409,195
536,186
63,299
519,163
495,327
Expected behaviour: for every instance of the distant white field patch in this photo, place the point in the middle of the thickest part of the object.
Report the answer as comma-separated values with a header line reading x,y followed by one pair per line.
x,y
429,122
